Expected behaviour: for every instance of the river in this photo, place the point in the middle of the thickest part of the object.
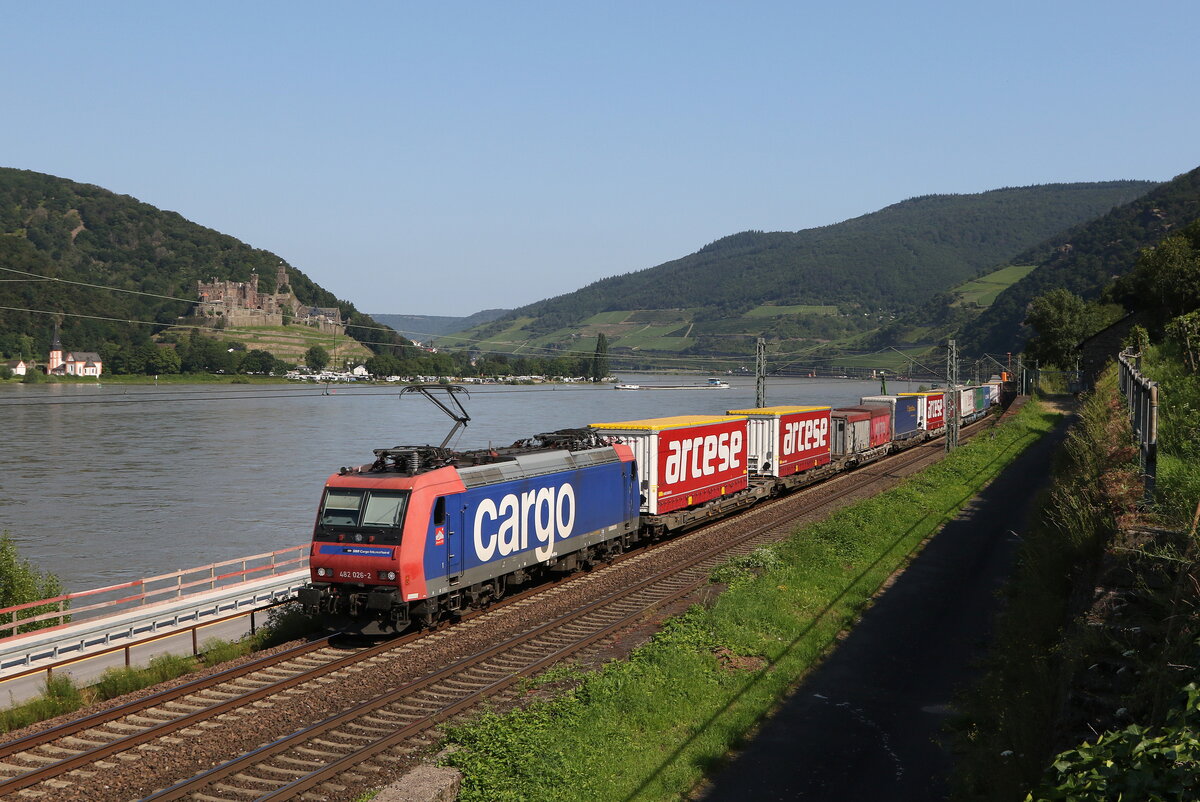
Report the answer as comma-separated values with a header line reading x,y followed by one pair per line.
x,y
102,483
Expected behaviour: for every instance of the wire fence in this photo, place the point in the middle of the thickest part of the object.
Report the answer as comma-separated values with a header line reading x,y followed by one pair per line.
x,y
1141,394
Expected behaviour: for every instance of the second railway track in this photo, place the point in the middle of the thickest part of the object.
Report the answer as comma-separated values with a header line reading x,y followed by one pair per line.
x,y
353,717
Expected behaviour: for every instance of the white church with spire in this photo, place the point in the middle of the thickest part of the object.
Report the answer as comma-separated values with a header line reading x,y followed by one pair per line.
x,y
72,363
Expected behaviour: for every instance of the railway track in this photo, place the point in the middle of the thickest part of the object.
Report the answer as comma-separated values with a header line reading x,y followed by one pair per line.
x,y
361,741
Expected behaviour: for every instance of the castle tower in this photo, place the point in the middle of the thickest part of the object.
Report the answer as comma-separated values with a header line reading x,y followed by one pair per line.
x,y
56,351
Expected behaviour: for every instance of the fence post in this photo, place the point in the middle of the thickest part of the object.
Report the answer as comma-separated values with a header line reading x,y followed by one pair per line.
x,y
1141,395
1151,451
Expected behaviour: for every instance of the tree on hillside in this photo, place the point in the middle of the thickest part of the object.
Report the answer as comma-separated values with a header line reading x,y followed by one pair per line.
x,y
316,358
1166,280
600,358
1060,317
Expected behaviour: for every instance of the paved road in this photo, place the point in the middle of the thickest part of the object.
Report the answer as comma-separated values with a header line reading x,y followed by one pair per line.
x,y
865,725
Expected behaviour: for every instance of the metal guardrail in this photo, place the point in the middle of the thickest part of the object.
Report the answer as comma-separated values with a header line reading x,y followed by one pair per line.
x,y
1141,394
182,625
126,596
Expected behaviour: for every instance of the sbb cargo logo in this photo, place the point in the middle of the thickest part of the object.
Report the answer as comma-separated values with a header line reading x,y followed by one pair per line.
x,y
504,528
698,457
801,436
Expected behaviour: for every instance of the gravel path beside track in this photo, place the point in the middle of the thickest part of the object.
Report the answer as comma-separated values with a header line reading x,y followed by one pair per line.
x,y
866,723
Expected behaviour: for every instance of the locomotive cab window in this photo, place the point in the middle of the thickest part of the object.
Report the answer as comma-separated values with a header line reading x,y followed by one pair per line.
x,y
362,516
341,507
384,509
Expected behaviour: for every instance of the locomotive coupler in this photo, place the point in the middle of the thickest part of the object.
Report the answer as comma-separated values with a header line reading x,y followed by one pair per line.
x,y
381,599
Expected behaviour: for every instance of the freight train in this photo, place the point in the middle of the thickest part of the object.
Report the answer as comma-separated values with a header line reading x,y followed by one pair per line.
x,y
424,532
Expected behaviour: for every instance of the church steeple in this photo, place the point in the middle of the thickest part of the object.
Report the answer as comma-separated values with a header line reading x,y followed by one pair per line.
x,y
56,350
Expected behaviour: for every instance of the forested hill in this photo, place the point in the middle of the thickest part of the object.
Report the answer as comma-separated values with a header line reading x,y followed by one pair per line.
x,y
887,260
1085,259
59,228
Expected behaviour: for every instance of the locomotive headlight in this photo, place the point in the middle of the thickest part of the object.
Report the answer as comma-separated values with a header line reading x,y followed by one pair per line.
x,y
323,572
387,576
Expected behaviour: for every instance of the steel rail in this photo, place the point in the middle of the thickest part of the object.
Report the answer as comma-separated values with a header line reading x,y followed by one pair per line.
x,y
101,717
33,777
697,568
149,733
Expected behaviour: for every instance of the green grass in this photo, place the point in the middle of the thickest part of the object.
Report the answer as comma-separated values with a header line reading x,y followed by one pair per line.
x,y
983,290
916,334
895,361
61,696
119,681
1178,482
767,310
652,726
607,318
284,623
654,337
506,339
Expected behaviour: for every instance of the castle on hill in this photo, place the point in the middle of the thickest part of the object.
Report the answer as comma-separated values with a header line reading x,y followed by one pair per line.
x,y
239,303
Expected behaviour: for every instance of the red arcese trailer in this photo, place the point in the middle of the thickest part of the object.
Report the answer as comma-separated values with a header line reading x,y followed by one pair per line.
x,y
685,460
786,440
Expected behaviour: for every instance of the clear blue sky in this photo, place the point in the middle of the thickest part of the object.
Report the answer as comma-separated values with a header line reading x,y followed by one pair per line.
x,y
446,157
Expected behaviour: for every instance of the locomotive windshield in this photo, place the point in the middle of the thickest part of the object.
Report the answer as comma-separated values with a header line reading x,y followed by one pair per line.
x,y
367,515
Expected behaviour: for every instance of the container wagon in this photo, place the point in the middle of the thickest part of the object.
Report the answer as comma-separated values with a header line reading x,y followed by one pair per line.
x,y
690,467
966,403
881,423
931,409
906,420
850,437
788,446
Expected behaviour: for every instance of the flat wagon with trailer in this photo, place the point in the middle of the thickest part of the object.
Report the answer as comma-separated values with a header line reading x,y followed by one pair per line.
x,y
983,400
850,436
788,446
966,403
906,421
690,467
880,429
931,410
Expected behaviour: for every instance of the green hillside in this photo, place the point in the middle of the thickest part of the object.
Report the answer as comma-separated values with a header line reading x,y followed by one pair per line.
x,y
61,229
824,287
423,328
1085,259
984,290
